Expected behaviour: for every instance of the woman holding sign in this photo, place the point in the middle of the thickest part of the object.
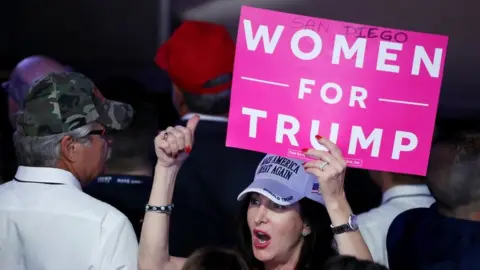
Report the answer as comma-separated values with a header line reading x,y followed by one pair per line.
x,y
283,211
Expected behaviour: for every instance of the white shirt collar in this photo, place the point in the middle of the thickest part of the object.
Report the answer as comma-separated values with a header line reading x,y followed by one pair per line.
x,y
205,117
405,190
46,175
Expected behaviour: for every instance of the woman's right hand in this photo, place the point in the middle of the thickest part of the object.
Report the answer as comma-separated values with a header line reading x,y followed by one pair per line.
x,y
173,145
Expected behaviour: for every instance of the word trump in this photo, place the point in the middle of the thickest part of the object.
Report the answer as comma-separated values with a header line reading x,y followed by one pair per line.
x,y
357,135
386,55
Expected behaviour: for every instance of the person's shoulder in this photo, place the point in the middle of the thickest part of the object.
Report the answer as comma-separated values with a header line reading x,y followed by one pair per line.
x,y
414,202
372,216
5,186
6,197
411,215
387,213
405,224
100,211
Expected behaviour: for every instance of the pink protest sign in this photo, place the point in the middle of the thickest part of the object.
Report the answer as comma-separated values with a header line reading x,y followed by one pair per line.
x,y
372,90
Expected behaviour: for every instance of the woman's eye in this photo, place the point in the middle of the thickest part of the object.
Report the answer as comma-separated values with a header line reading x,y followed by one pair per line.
x,y
278,206
254,201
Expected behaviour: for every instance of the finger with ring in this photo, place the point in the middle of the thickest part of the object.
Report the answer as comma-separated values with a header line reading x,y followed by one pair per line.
x,y
327,157
323,165
172,141
165,136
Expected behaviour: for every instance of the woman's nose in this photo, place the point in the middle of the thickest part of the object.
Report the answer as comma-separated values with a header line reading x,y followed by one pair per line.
x,y
262,215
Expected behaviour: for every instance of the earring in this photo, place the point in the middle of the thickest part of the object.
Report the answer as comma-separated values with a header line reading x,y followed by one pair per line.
x,y
304,233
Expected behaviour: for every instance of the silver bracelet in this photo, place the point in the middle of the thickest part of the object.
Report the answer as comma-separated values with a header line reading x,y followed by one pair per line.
x,y
165,209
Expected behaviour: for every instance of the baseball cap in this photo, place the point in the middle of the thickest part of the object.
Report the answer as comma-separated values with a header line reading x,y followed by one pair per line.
x,y
284,181
62,102
196,53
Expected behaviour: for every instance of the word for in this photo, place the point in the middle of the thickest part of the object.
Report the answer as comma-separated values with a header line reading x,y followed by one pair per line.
x,y
357,94
357,135
341,46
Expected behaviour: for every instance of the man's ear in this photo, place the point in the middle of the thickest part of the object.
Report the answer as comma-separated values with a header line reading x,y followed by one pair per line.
x,y
68,148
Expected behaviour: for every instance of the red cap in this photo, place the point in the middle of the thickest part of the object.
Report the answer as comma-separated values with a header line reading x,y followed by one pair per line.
x,y
196,53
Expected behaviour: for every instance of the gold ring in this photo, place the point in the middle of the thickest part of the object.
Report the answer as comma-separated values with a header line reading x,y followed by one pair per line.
x,y
165,136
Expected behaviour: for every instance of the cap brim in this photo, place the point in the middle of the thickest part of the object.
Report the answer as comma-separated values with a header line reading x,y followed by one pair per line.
x,y
161,58
116,115
273,190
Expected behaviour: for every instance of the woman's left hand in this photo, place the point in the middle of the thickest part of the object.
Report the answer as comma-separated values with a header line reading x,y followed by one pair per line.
x,y
329,168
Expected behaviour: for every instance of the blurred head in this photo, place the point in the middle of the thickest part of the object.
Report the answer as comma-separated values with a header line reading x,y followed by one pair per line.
x,y
351,263
199,60
283,220
454,169
63,125
23,76
121,87
212,258
131,149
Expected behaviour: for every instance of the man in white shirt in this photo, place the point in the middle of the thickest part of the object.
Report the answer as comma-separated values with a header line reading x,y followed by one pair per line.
x,y
46,221
400,193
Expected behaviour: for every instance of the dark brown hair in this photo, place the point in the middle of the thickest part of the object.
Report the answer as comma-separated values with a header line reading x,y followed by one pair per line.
x,y
351,263
317,247
214,258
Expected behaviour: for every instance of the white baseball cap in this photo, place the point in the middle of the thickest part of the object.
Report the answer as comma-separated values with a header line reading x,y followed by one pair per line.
x,y
284,181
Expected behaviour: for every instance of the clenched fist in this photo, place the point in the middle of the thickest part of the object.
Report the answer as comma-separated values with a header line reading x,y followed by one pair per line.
x,y
173,144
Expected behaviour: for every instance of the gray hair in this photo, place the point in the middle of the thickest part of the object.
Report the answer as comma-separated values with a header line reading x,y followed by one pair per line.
x,y
45,151
217,103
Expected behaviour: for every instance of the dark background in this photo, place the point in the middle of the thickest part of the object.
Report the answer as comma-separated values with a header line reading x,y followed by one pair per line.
x,y
105,37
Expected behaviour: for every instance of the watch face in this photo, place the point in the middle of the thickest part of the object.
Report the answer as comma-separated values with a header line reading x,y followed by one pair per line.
x,y
353,222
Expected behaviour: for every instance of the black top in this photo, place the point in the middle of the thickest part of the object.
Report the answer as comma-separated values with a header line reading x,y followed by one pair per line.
x,y
424,239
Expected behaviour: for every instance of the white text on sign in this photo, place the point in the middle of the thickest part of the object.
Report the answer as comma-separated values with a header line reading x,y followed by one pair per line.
x,y
387,51
357,135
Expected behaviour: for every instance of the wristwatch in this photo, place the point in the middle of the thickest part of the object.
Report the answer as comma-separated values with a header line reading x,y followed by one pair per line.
x,y
350,226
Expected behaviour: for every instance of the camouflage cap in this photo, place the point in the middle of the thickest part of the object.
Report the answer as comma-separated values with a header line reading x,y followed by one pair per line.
x,y
62,102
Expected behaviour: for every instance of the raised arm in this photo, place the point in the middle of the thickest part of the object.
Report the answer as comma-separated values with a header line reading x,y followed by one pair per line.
x,y
172,147
329,168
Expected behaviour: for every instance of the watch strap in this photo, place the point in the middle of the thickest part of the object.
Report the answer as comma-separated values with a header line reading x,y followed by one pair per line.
x,y
341,229
350,226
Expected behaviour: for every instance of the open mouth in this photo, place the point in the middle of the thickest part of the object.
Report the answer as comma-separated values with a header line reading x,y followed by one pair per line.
x,y
261,239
